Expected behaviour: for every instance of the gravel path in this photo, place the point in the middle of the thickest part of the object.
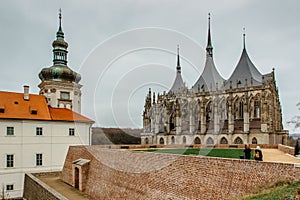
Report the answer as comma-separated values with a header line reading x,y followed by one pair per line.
x,y
274,155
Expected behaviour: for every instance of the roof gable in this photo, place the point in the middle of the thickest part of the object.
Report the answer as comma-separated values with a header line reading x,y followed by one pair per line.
x,y
16,107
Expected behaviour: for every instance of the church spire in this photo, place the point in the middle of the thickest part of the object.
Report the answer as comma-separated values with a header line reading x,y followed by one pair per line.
x,y
209,48
60,46
178,68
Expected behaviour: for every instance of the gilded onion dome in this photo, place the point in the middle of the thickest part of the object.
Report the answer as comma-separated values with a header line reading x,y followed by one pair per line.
x,y
59,71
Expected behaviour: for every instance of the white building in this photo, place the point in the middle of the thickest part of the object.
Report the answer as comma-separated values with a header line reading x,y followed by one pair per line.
x,y
36,130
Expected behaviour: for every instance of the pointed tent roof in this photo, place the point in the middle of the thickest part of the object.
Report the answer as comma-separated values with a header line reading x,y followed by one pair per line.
x,y
210,75
245,69
178,83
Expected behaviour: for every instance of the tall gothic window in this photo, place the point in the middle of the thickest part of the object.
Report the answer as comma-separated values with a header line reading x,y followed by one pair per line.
x,y
222,111
235,110
227,110
257,109
173,140
184,140
208,112
196,116
241,110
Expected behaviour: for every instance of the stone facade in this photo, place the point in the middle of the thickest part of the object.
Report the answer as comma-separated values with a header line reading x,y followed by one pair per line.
x,y
242,109
123,174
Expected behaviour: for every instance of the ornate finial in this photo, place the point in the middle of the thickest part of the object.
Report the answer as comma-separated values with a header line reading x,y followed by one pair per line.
x,y
209,48
60,18
60,34
244,37
178,61
208,20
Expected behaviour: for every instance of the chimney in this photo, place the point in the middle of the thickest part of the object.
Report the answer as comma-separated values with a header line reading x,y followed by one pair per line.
x,y
26,92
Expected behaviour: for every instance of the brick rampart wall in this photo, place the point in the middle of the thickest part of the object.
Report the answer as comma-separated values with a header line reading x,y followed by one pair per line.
x,y
147,146
122,174
35,189
286,149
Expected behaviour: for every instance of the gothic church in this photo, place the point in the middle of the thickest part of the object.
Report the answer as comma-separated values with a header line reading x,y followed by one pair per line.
x,y
243,109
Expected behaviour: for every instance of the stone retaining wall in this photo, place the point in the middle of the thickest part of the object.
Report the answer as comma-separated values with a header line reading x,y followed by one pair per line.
x,y
35,189
122,174
286,149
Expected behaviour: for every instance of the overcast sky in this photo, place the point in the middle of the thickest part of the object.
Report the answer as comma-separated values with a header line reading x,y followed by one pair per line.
x,y
123,47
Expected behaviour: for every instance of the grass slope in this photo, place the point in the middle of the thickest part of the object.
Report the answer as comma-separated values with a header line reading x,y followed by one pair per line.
x,y
213,152
286,192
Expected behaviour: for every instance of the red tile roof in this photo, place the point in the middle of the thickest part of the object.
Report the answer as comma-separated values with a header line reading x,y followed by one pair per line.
x,y
13,106
64,114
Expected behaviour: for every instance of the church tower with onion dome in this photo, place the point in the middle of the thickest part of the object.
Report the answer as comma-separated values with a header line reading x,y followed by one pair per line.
x,y
60,84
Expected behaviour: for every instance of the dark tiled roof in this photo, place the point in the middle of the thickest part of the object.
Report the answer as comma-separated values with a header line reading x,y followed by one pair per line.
x,y
209,77
178,83
245,69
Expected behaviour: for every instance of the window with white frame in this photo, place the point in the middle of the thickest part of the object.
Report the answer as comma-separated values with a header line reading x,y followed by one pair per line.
x,y
39,159
9,160
65,95
9,187
10,130
71,131
39,131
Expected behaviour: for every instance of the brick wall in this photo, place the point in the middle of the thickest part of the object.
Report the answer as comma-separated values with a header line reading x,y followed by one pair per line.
x,y
35,189
123,174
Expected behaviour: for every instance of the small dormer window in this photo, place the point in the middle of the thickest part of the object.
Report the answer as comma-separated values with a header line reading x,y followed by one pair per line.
x,y
33,112
1,110
65,95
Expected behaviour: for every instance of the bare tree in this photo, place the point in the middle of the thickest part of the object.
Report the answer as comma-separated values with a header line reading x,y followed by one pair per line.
x,y
296,119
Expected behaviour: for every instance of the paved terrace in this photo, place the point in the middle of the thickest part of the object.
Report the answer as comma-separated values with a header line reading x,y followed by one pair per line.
x,y
54,181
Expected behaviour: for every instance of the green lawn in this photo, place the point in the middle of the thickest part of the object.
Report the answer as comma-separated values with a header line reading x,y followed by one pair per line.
x,y
213,152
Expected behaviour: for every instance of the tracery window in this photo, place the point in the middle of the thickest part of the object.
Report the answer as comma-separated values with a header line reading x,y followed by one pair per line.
x,y
209,141
197,140
184,140
161,141
241,110
238,140
254,140
257,109
223,141
208,112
